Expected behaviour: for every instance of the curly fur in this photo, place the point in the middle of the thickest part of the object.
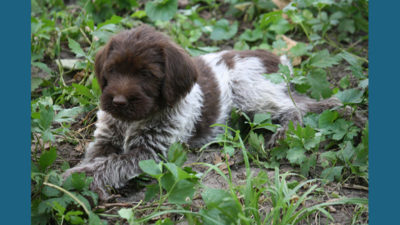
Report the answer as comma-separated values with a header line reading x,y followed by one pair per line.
x,y
154,94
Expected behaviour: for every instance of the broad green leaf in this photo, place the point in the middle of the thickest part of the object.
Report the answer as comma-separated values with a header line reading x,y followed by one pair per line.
x,y
46,116
328,157
139,14
296,155
279,45
269,18
173,169
261,117
307,164
300,49
113,20
241,45
95,219
350,96
35,83
161,10
177,154
220,206
251,35
214,196
229,150
349,58
281,26
340,128
126,214
74,217
151,192
68,115
50,192
323,59
78,181
344,82
364,83
47,158
47,135
332,173
82,90
357,71
327,118
347,152
150,167
167,181
256,141
182,192
59,208
75,48
319,85
223,30
310,138
347,25
43,67
311,120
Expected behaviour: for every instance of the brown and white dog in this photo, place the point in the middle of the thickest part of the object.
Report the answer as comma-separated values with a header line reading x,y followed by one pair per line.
x,y
154,94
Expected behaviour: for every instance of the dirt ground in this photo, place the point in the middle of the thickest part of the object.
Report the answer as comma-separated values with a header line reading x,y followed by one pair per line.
x,y
134,192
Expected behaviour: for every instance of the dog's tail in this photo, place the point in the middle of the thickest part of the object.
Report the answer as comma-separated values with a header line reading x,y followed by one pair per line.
x,y
286,62
305,103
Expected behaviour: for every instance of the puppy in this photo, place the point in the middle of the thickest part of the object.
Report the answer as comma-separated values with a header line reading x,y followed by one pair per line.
x,y
154,94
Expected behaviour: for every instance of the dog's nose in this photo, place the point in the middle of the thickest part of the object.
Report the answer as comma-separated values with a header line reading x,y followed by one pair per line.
x,y
120,100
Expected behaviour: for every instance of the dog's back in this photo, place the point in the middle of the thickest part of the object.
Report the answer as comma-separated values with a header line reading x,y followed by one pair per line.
x,y
241,84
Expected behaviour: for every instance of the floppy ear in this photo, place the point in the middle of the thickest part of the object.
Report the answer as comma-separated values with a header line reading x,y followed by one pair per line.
x,y
180,74
100,58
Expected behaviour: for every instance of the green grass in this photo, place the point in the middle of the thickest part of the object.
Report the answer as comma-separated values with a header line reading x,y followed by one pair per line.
x,y
332,59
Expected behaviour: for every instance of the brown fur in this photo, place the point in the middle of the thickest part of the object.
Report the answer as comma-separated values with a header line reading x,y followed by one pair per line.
x,y
143,76
145,68
211,93
270,60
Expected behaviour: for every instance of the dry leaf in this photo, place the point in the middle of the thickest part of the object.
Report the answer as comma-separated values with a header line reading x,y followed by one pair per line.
x,y
289,44
221,159
294,199
80,147
183,3
79,76
331,209
281,3
68,63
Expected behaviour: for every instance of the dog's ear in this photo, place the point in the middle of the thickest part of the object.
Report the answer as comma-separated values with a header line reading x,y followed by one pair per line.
x,y
99,61
180,74
98,66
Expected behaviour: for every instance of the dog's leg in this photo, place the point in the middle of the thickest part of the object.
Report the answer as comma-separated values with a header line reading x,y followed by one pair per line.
x,y
107,141
115,170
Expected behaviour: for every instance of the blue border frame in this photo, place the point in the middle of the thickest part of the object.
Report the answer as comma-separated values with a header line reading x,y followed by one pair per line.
x,y
384,111
384,116
15,112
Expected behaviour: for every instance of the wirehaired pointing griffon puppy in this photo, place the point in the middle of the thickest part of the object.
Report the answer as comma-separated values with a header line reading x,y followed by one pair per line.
x,y
154,94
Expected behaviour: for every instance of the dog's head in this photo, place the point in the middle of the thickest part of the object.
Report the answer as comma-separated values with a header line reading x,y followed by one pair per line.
x,y
140,72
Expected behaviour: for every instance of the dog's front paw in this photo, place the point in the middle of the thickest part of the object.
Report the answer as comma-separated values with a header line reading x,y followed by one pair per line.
x,y
78,169
97,171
